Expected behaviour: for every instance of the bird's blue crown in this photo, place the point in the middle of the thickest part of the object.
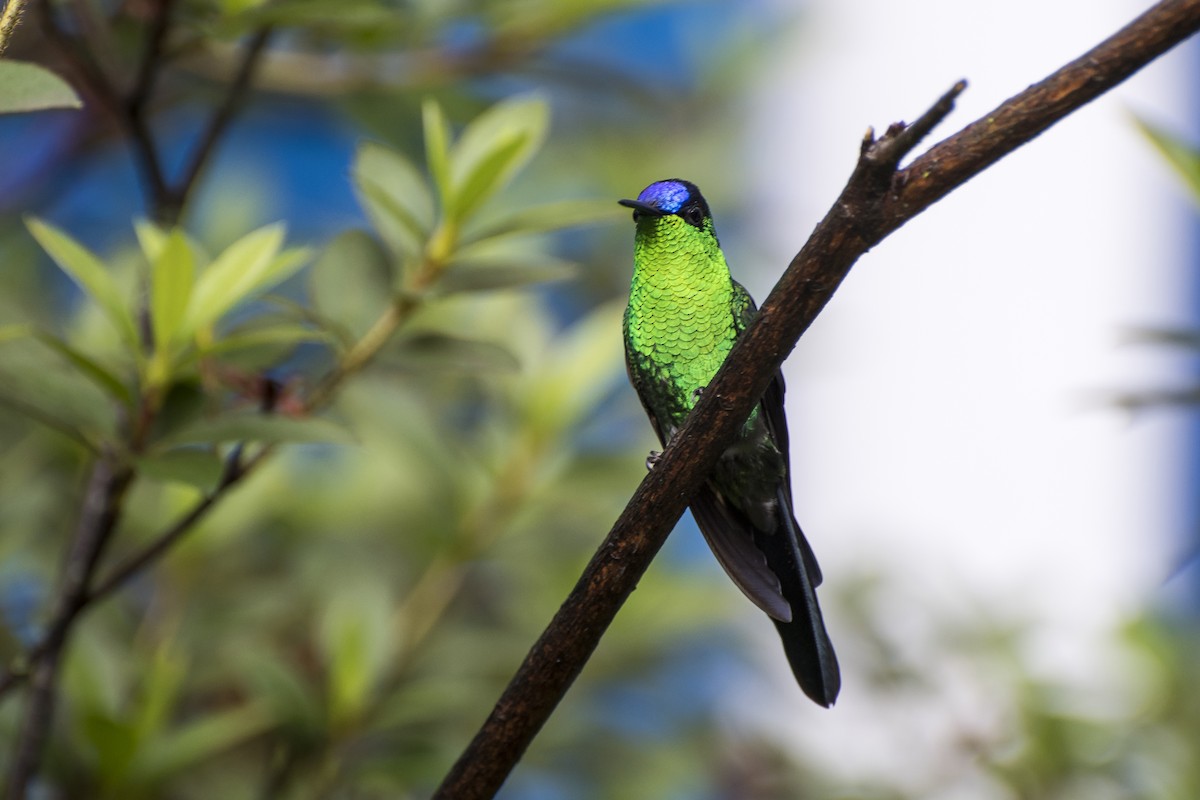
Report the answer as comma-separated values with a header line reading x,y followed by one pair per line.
x,y
666,196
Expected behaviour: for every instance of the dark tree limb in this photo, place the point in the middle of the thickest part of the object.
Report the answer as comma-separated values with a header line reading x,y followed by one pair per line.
x,y
877,200
152,51
91,78
130,110
235,470
102,502
176,200
133,113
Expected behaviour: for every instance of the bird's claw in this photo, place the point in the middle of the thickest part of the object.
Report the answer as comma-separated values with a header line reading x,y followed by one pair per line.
x,y
652,459
697,392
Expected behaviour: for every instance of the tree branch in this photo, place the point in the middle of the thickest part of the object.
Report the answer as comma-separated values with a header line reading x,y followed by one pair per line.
x,y
26,666
87,72
176,200
145,153
152,51
235,470
102,504
876,201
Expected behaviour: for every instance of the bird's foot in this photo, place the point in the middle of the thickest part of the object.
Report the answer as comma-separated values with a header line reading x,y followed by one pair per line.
x,y
652,459
697,393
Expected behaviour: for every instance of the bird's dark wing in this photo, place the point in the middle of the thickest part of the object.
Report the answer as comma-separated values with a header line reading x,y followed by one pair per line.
x,y
791,559
805,640
729,537
772,409
766,566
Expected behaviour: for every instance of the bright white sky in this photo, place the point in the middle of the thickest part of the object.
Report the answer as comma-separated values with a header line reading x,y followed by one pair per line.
x,y
947,409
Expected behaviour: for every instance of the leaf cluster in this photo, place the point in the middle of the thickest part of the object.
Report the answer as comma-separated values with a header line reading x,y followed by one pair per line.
x,y
337,621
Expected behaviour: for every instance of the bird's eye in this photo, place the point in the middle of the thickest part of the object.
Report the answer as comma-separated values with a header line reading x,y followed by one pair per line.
x,y
693,216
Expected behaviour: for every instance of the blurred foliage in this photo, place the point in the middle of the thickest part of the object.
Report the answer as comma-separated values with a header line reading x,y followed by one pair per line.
x,y
1184,160
440,399
441,450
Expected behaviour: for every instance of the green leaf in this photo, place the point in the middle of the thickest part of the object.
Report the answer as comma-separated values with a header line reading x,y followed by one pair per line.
x,y
29,87
1182,156
432,351
288,334
476,277
579,371
95,674
173,752
89,273
492,149
395,197
159,689
350,282
486,176
171,279
53,421
279,682
284,266
437,146
261,347
233,276
151,238
256,427
357,638
192,466
89,368
61,396
114,741
185,404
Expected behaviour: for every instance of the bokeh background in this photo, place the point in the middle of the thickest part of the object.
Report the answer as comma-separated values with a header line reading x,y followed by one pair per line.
x,y
994,453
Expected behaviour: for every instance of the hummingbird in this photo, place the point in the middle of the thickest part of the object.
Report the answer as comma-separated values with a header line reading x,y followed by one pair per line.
x,y
685,312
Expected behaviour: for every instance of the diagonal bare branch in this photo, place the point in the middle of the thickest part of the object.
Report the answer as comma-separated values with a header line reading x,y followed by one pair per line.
x,y
98,518
218,124
877,200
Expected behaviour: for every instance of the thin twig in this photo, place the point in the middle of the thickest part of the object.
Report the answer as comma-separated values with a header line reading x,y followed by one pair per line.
x,y
13,10
134,118
102,503
177,199
235,470
108,99
867,211
152,51
95,35
87,73
900,139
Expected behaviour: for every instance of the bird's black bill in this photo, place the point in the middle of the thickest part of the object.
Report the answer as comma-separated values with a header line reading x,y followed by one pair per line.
x,y
641,208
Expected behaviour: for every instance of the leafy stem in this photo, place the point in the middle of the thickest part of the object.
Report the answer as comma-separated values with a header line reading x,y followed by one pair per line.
x,y
363,351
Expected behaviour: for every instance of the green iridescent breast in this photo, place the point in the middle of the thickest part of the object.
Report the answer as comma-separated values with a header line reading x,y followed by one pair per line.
x,y
682,319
